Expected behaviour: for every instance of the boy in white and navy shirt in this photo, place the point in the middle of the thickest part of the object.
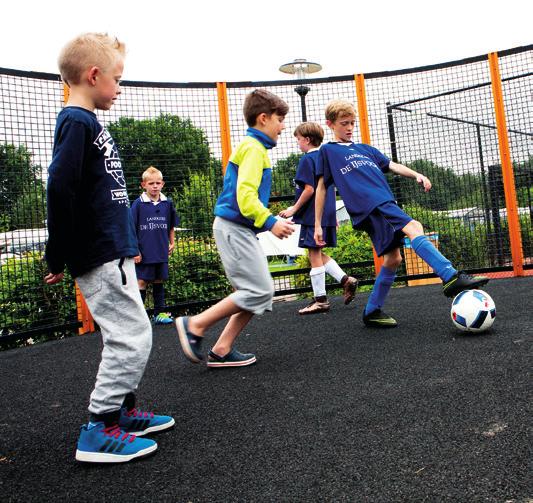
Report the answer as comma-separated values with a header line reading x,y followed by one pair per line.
x,y
154,217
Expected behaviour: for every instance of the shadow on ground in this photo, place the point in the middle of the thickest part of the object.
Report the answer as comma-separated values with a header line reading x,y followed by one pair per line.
x,y
332,411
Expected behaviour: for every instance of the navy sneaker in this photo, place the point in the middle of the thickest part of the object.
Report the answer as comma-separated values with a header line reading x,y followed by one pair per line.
x,y
379,319
232,359
190,343
462,281
137,422
99,443
163,319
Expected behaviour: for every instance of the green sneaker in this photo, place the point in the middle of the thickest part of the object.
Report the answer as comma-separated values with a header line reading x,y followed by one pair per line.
x,y
379,319
462,281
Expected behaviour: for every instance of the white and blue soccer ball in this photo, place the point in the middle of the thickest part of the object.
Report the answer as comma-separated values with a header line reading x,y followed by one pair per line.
x,y
473,311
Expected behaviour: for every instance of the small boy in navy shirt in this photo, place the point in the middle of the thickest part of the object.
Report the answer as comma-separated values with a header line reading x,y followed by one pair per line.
x,y
154,217
309,136
358,172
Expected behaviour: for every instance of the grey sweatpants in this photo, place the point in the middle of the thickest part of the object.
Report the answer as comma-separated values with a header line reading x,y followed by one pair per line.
x,y
113,298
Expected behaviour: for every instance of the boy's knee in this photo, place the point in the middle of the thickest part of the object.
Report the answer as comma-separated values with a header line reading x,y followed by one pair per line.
x,y
393,262
416,227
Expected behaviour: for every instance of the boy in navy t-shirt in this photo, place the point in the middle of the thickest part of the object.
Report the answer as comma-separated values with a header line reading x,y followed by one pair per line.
x,y
154,217
358,172
90,232
310,136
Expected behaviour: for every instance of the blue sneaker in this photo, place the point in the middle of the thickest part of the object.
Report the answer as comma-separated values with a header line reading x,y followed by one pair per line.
x,y
232,359
99,443
137,422
190,343
163,319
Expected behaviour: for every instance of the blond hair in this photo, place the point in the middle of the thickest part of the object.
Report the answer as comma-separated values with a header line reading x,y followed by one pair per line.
x,y
151,171
310,130
339,108
87,50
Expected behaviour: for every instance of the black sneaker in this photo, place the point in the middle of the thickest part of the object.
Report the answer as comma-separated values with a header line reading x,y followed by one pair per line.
x,y
379,319
462,281
233,359
349,289
190,343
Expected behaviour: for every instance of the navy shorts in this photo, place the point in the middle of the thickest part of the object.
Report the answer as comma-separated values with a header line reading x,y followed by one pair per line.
x,y
384,226
152,272
307,236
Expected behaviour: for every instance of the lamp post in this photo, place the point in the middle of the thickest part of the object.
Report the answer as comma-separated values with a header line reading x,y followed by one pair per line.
x,y
300,68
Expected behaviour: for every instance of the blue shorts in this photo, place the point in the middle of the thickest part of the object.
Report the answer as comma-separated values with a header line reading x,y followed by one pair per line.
x,y
307,236
152,272
384,226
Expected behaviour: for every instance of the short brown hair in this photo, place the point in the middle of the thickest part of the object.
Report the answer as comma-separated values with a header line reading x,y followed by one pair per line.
x,y
89,49
261,101
339,108
310,130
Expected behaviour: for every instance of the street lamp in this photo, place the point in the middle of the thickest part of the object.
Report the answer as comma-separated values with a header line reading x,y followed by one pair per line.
x,y
300,68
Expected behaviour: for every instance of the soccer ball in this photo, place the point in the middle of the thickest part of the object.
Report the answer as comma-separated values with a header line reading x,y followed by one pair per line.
x,y
473,311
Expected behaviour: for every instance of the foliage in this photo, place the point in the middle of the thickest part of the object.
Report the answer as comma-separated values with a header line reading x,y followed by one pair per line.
x,y
195,203
196,272
283,174
26,302
21,189
173,145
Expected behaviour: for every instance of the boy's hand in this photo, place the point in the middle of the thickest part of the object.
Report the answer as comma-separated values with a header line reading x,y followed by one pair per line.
x,y
171,247
318,236
282,229
424,181
52,279
287,213
137,259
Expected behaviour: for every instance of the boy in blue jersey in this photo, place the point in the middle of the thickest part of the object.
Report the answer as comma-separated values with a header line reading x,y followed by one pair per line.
x,y
309,136
154,217
357,170
240,213
90,232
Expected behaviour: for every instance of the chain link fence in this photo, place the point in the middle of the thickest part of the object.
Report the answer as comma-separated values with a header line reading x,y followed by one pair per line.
x,y
439,120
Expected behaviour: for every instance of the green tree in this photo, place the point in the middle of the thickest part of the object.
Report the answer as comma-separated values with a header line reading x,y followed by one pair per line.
x,y
283,174
171,144
22,192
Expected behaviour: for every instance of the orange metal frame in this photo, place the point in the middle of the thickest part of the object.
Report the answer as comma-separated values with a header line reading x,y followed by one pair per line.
x,y
507,167
365,137
225,136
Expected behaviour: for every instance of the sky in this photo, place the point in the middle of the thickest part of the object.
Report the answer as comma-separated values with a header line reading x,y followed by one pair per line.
x,y
236,40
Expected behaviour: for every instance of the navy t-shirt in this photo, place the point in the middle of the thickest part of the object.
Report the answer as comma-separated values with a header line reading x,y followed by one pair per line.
x,y
357,170
153,224
306,175
89,221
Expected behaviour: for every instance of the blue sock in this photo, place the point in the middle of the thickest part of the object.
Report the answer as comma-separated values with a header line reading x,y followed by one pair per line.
x,y
381,289
159,298
433,257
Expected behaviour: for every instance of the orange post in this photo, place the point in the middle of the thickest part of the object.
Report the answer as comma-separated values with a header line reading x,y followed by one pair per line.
x,y
507,167
84,315
223,112
365,137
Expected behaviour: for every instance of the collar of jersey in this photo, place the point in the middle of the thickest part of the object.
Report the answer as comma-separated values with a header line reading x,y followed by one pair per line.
x,y
146,199
261,137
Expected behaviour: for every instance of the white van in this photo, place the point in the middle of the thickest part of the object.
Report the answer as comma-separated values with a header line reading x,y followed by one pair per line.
x,y
14,244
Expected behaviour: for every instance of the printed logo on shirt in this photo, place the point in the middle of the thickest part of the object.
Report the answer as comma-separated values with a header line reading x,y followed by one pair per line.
x,y
356,161
113,164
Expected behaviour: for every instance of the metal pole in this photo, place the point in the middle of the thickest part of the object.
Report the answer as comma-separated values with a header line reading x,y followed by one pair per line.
x,y
488,227
302,92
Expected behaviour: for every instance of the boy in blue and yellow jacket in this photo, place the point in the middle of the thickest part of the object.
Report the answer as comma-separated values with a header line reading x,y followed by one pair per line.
x,y
240,213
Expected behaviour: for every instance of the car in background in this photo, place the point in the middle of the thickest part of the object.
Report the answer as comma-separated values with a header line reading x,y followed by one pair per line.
x,y
17,243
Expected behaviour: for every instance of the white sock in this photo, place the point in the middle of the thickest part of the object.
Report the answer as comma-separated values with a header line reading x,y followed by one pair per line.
x,y
318,281
333,269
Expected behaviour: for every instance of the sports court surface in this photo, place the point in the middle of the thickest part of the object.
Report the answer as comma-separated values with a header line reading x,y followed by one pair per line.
x,y
332,411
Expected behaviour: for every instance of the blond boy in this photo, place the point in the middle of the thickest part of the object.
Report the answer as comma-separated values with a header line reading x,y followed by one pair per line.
x,y
91,234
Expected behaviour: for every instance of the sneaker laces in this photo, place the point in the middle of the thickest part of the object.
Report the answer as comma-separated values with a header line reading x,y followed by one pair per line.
x,y
139,413
116,432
